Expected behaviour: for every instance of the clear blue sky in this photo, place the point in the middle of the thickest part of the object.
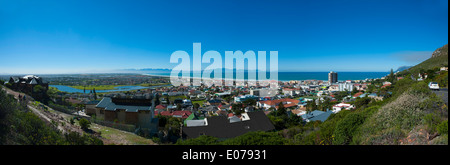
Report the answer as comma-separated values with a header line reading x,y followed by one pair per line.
x,y
340,35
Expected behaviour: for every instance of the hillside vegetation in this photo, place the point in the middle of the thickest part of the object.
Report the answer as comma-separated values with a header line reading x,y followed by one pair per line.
x,y
19,126
438,59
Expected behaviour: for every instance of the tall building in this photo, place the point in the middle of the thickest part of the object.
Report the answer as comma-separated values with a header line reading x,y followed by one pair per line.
x,y
332,77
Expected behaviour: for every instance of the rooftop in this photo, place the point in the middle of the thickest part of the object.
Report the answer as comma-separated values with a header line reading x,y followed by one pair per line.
x,y
112,105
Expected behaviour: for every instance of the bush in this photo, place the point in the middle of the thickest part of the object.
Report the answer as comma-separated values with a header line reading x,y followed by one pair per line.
x,y
257,138
201,140
346,127
74,138
443,128
84,123
431,121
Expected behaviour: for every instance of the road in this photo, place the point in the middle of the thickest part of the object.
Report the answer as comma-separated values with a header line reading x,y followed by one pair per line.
x,y
443,93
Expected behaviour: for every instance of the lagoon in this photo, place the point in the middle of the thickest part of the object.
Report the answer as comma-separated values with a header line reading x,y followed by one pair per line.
x,y
116,89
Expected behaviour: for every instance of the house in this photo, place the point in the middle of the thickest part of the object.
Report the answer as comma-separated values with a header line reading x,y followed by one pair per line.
x,y
316,116
265,92
215,102
357,94
292,91
245,97
138,112
186,103
373,95
223,94
177,114
338,107
161,107
222,127
181,114
299,111
90,107
287,103
27,83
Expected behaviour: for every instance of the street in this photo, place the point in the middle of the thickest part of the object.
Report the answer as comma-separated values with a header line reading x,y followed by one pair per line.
x,y
443,93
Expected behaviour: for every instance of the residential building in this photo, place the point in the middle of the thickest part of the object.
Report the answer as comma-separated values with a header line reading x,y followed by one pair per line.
x,y
287,103
316,115
245,97
292,91
338,107
90,107
224,127
138,112
27,83
345,87
332,77
264,92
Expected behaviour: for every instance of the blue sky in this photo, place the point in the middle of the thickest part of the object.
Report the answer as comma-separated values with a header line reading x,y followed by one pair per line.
x,y
340,35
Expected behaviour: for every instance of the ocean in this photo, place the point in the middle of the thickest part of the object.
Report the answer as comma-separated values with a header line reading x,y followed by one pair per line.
x,y
287,76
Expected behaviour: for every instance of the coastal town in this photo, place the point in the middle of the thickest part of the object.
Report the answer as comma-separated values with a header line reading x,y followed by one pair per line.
x,y
219,111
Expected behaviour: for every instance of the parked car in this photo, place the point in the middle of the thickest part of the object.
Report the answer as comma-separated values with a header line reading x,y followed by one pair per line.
x,y
433,86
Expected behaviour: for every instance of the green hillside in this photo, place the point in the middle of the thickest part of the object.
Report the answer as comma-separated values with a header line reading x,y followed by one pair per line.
x,y
438,59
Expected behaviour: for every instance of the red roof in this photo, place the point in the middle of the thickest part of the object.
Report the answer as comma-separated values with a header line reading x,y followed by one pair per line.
x,y
165,113
275,102
386,85
183,114
357,94
160,106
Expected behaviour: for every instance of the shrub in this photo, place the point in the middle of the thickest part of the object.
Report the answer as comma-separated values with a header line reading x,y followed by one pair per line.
x,y
201,140
431,121
346,127
84,123
257,138
391,121
443,128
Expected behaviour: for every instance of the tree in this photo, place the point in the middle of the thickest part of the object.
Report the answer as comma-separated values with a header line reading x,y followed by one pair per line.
x,y
196,106
391,76
84,123
360,102
281,110
346,127
236,108
38,89
179,106
95,95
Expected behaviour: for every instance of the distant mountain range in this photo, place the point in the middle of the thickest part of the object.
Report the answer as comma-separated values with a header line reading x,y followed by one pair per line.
x,y
402,68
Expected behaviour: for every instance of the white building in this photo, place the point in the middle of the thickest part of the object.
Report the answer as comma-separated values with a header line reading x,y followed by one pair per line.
x,y
346,87
338,107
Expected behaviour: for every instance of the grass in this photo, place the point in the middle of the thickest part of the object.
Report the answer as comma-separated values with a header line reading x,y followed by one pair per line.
x,y
200,102
172,98
121,137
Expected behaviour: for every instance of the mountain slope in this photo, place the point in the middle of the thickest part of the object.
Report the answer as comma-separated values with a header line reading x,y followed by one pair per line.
x,y
439,58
